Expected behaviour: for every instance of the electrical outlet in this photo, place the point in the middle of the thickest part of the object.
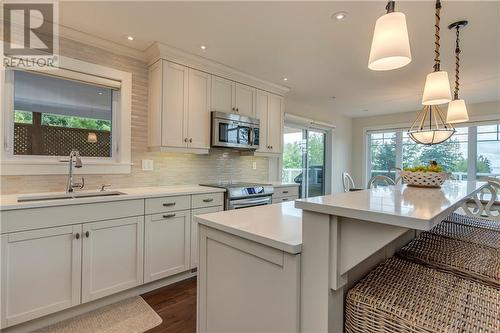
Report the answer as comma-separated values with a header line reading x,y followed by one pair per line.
x,y
254,165
147,165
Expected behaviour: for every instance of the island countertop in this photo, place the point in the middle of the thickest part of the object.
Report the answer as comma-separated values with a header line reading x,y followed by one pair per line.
x,y
399,205
278,226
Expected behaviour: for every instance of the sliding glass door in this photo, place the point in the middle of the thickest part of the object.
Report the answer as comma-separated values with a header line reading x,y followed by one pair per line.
x,y
304,160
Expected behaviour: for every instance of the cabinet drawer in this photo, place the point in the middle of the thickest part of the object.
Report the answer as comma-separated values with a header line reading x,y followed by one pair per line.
x,y
208,200
284,199
167,204
288,191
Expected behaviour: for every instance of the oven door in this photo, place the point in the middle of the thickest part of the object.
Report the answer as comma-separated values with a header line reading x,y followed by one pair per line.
x,y
233,134
249,202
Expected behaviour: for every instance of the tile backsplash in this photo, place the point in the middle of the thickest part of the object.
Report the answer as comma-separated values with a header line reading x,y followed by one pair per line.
x,y
169,168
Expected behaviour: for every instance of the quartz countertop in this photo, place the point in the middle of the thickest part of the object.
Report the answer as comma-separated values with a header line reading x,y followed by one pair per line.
x,y
278,226
9,202
400,205
280,184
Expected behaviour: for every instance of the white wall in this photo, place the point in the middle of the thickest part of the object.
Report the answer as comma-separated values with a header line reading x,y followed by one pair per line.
x,y
341,148
477,112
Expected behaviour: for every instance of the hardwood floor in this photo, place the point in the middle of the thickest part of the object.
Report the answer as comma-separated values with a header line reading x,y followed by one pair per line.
x,y
176,305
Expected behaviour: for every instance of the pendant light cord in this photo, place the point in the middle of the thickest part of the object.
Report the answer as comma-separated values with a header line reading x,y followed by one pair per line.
x,y
457,63
437,62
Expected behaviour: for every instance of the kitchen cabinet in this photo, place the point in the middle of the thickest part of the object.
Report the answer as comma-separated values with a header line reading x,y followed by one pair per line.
x,y
232,97
40,272
269,110
179,108
194,231
112,258
289,192
166,244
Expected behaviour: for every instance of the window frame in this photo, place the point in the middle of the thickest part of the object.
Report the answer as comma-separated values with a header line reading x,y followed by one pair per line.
x,y
120,160
400,128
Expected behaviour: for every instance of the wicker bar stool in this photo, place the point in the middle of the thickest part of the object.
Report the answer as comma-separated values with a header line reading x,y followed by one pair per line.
x,y
402,296
473,221
468,260
468,233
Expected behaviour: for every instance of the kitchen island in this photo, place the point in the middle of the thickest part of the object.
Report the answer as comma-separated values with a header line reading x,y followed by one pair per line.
x,y
343,234
284,269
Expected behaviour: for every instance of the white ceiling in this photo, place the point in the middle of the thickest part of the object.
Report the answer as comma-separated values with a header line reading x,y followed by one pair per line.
x,y
321,57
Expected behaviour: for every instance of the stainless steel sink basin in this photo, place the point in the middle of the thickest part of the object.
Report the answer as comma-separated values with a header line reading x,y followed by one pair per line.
x,y
74,195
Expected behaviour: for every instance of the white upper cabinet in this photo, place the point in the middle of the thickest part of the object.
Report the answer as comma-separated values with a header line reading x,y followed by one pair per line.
x,y
199,109
40,272
232,97
222,95
269,110
175,103
179,108
244,100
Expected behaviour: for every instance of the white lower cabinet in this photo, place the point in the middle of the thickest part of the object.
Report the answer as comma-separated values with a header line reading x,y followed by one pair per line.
x,y
112,256
40,272
166,244
194,231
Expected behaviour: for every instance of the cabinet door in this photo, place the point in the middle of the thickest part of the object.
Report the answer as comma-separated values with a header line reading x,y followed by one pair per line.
x,y
174,106
275,123
194,231
112,256
244,100
261,113
167,244
222,95
40,272
199,109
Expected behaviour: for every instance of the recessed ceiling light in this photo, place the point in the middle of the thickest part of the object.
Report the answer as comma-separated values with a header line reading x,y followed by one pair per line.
x,y
339,15
203,47
130,38
285,79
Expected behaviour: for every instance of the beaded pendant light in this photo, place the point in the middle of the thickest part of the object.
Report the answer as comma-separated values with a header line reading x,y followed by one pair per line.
x,y
430,126
457,111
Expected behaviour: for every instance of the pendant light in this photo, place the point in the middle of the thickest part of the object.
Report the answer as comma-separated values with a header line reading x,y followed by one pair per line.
x,y
430,127
457,111
437,86
390,44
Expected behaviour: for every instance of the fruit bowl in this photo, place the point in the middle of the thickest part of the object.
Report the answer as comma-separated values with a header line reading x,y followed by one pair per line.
x,y
424,179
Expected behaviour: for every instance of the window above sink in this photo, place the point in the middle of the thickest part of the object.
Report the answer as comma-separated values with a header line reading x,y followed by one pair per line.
x,y
80,106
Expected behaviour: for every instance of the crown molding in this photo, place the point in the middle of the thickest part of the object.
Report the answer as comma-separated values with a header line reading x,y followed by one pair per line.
x,y
82,37
162,51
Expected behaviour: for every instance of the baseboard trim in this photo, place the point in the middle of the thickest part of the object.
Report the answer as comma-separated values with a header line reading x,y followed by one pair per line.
x,y
83,308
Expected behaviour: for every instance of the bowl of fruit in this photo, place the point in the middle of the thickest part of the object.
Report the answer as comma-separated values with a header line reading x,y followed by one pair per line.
x,y
431,175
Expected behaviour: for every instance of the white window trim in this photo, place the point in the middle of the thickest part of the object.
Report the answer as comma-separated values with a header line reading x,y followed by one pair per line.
x,y
471,145
119,163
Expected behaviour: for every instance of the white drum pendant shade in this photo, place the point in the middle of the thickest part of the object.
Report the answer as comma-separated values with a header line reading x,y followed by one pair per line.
x,y
437,89
390,45
457,112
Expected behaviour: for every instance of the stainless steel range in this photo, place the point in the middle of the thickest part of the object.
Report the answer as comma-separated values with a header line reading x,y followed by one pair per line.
x,y
243,195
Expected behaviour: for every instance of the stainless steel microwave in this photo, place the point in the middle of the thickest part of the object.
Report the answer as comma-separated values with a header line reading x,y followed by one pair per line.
x,y
235,131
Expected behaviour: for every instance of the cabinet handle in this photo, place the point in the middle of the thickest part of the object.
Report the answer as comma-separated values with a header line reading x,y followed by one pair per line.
x,y
77,236
190,140
285,192
185,139
166,216
237,110
208,200
168,204
284,199
87,234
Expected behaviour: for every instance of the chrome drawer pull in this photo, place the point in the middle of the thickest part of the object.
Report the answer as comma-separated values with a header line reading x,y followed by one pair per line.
x,y
169,204
166,216
208,200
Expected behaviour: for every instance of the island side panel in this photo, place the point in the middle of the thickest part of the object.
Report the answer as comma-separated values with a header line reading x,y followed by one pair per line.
x,y
244,286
